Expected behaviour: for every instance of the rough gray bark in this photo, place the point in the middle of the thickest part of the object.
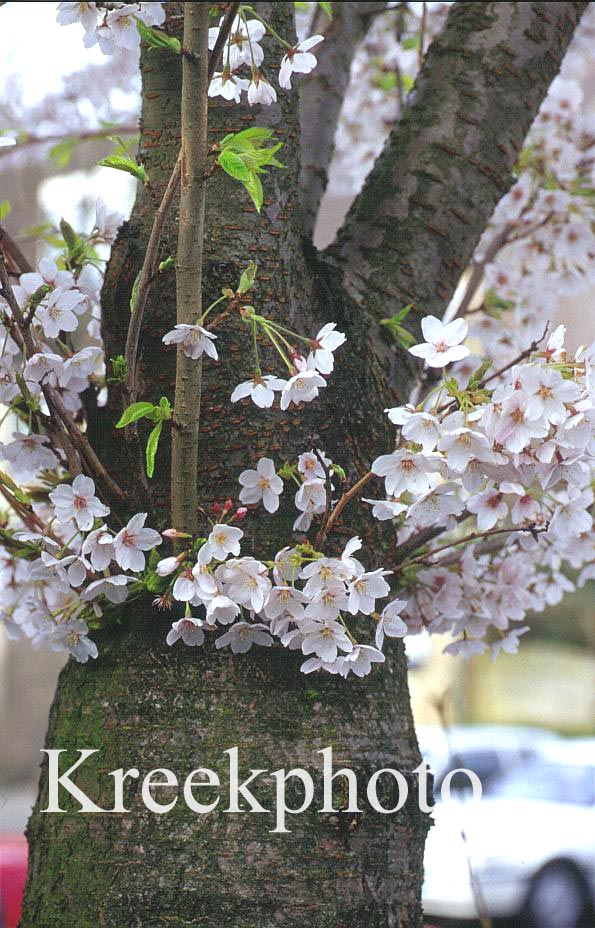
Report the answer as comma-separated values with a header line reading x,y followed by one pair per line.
x,y
412,230
322,95
142,704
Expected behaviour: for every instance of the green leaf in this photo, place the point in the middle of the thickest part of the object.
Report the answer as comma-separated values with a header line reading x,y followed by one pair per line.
x,y
134,413
234,165
478,375
134,293
241,141
119,369
125,163
152,445
167,264
247,278
412,41
401,334
61,153
74,244
156,39
254,188
165,405
5,209
70,237
327,8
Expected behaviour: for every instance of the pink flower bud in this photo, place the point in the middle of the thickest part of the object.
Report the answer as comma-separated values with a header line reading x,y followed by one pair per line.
x,y
299,361
174,533
241,513
227,505
217,508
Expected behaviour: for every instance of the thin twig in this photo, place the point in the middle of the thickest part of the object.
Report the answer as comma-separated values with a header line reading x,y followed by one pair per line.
x,y
222,38
423,537
56,138
147,275
533,529
521,357
328,486
342,502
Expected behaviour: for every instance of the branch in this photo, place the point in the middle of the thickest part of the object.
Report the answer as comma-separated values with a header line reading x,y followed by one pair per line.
x,y
16,261
413,228
425,558
194,117
84,136
340,506
147,275
321,98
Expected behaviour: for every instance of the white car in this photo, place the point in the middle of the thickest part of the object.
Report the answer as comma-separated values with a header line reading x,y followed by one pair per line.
x,y
526,849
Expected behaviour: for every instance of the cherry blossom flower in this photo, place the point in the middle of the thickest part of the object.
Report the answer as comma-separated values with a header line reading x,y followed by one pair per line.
x,y
85,13
72,636
227,85
107,222
261,484
113,588
58,311
321,357
442,343
509,643
298,59
194,340
224,540
78,503
243,635
221,609
385,509
260,91
28,455
325,639
245,581
261,390
243,46
489,508
47,274
303,387
98,546
189,629
390,622
359,661
311,465
132,541
285,599
366,589
405,470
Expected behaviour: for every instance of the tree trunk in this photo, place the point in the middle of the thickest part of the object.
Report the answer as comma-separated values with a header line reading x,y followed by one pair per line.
x,y
145,705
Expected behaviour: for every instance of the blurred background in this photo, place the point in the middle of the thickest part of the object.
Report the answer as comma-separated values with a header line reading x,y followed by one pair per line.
x,y
525,723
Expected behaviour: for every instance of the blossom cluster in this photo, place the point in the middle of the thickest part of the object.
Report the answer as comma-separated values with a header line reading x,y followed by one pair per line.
x,y
116,28
111,28
67,575
306,372
243,49
506,471
303,600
